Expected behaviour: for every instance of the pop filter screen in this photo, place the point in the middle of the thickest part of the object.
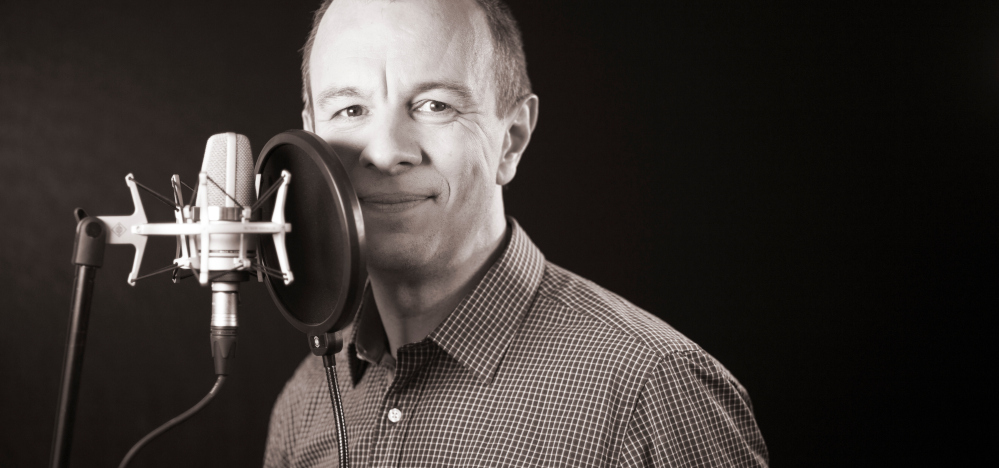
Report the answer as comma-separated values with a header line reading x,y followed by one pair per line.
x,y
325,245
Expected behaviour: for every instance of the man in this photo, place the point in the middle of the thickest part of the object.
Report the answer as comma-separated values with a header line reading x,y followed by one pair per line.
x,y
470,349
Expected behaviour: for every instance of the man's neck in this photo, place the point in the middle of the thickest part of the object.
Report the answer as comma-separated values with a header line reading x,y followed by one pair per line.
x,y
413,306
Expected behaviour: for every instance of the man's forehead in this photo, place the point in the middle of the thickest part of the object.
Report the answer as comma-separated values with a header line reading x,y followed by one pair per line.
x,y
451,37
451,9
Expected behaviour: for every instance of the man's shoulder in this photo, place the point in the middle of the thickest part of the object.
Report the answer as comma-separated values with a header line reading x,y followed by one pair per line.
x,y
575,312
680,399
567,296
308,376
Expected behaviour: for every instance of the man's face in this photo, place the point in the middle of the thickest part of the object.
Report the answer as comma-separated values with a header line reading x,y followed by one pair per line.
x,y
405,93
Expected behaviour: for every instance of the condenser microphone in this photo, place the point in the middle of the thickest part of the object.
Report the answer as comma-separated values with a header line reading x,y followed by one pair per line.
x,y
217,234
227,192
217,239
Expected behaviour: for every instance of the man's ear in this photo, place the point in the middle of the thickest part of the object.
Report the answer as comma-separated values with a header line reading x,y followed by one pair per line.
x,y
523,119
307,123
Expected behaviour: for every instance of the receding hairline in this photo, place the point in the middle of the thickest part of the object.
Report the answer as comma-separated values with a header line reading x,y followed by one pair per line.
x,y
506,54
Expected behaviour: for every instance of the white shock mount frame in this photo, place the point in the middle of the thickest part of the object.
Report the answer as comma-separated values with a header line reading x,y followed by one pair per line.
x,y
134,229
120,228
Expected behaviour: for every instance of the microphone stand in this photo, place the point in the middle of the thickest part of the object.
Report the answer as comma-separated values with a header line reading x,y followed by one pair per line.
x,y
88,256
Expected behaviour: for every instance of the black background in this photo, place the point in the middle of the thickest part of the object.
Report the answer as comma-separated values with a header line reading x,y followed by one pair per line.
x,y
807,191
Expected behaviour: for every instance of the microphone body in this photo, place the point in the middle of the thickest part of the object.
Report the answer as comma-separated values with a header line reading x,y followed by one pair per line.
x,y
228,170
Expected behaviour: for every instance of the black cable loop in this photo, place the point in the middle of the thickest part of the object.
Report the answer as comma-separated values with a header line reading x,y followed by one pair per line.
x,y
173,422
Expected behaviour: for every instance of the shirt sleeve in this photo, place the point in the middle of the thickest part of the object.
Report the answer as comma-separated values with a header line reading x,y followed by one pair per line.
x,y
691,412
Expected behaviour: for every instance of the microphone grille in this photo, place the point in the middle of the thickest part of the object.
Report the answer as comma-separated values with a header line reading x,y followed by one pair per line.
x,y
229,162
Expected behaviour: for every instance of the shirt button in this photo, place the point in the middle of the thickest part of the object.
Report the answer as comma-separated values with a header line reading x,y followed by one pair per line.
x,y
395,415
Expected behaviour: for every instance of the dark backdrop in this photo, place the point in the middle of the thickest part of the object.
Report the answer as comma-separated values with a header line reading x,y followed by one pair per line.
x,y
809,192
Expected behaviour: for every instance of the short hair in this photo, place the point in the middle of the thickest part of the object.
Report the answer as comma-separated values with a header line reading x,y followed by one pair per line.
x,y
509,62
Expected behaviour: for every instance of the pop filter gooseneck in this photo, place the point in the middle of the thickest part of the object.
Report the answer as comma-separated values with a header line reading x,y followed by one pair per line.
x,y
325,248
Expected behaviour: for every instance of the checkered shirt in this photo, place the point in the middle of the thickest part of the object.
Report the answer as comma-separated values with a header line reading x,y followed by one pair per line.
x,y
537,367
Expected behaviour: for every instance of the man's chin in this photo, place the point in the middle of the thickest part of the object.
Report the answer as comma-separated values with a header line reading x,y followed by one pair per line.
x,y
397,251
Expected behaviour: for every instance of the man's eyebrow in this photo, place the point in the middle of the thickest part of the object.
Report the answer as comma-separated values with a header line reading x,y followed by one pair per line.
x,y
334,92
463,92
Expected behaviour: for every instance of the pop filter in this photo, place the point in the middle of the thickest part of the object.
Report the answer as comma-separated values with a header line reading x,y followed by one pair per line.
x,y
326,243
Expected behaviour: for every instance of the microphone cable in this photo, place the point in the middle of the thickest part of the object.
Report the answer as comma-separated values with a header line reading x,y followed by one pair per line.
x,y
329,362
173,422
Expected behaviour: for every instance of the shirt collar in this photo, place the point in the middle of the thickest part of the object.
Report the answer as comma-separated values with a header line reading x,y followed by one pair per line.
x,y
368,342
479,331
369,334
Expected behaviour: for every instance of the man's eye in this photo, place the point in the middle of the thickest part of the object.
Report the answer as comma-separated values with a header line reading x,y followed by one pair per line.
x,y
433,106
352,111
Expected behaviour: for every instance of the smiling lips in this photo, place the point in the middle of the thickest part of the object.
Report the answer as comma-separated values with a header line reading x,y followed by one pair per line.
x,y
394,202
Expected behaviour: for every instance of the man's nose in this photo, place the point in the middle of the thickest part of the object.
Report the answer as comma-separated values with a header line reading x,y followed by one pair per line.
x,y
392,147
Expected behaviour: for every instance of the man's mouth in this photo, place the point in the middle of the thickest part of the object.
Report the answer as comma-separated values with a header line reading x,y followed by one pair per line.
x,y
394,202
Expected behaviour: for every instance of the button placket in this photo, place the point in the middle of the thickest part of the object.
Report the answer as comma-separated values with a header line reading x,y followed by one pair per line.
x,y
389,431
400,400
